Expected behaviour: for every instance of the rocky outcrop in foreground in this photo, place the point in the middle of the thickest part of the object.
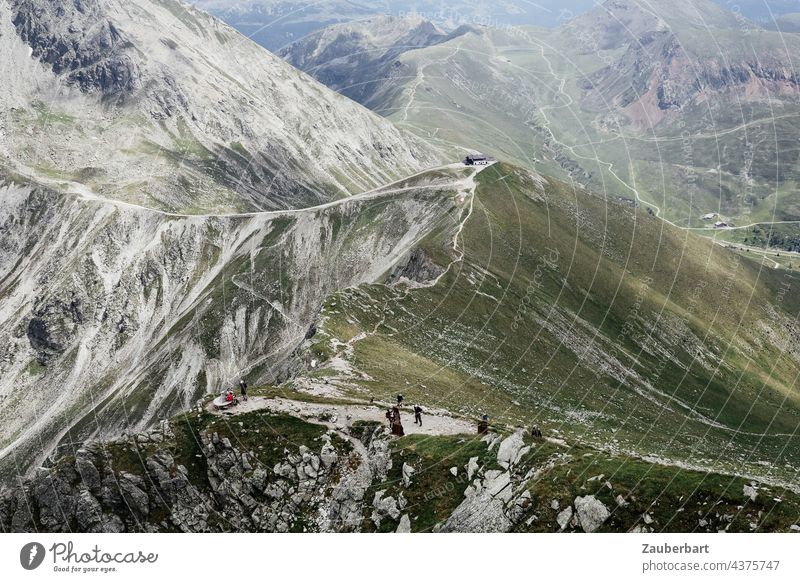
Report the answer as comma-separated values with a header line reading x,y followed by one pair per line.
x,y
267,472
151,482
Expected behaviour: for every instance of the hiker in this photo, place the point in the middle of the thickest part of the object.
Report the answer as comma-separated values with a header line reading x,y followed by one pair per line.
x,y
418,414
483,425
390,417
243,388
399,399
229,395
397,425
536,432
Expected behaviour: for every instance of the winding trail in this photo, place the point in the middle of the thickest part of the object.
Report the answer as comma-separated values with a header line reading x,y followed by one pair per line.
x,y
84,193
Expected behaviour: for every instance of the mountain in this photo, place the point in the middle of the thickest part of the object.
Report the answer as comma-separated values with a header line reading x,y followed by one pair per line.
x,y
789,22
180,209
176,203
659,367
685,107
185,117
360,59
275,23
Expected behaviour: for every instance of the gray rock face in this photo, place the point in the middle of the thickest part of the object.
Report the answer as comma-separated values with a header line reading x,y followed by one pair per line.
x,y
486,505
591,512
92,58
419,268
233,493
170,135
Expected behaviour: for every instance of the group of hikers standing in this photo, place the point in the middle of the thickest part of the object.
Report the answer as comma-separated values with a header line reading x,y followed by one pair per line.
x,y
392,414
393,417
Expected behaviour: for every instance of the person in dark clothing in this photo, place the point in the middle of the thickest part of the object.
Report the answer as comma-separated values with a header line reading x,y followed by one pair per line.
x,y
483,425
243,388
390,417
418,414
399,399
397,424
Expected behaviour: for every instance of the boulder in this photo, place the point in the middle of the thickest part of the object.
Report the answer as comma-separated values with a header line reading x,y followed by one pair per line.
x,y
405,525
472,467
591,512
564,517
511,450
408,472
384,507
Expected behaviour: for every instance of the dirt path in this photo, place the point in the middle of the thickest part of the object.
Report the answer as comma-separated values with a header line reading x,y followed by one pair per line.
x,y
83,192
341,416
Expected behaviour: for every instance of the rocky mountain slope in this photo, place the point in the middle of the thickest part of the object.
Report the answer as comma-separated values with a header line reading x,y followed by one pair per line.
x,y
113,317
141,144
160,105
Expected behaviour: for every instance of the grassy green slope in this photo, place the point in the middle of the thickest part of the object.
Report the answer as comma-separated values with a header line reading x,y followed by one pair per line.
x,y
595,320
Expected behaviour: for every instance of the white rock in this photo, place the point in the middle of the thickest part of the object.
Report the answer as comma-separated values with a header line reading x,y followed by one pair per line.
x,y
554,505
511,450
750,492
408,472
647,518
454,471
405,525
564,517
472,467
591,512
